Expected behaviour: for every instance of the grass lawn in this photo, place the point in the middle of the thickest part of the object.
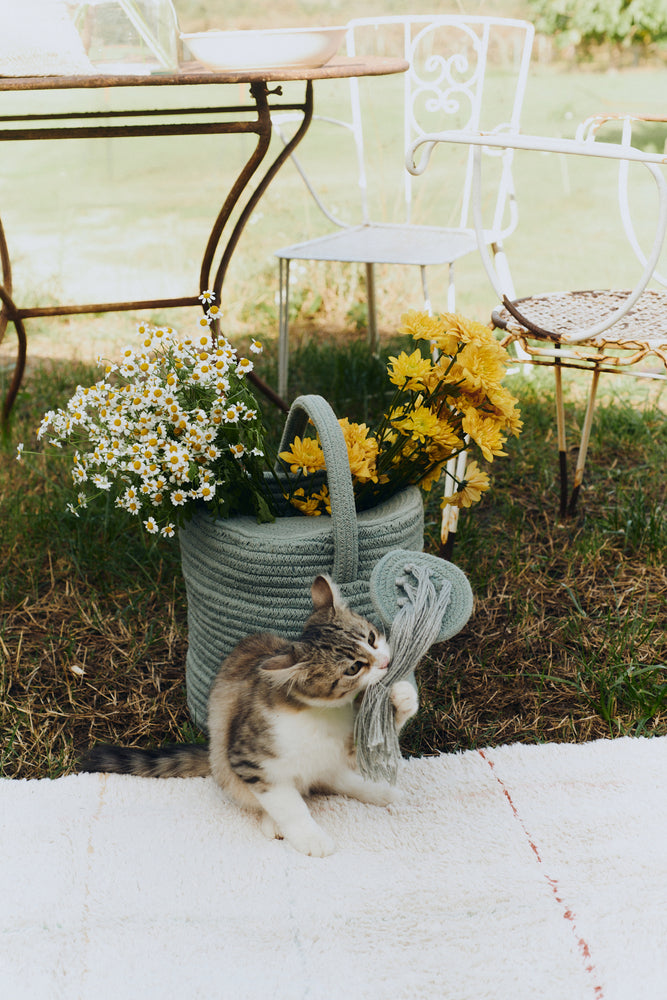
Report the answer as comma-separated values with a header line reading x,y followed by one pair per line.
x,y
568,637
567,641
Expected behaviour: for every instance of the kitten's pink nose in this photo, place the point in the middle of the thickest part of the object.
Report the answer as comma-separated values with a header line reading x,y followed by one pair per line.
x,y
384,663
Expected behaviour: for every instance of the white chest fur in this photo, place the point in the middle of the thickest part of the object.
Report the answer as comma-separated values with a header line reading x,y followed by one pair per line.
x,y
311,746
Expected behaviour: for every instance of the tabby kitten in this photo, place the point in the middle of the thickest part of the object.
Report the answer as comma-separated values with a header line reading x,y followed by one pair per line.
x,y
281,721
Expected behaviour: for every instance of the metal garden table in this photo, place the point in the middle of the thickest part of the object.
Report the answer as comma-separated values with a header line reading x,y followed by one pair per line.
x,y
203,118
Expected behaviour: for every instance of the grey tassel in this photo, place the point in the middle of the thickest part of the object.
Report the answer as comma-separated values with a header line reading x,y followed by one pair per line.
x,y
413,631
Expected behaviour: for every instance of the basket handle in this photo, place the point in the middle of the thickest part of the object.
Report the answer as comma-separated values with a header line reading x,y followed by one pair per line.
x,y
339,477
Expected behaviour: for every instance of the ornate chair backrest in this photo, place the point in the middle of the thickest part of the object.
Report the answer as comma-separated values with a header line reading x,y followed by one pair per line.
x,y
464,73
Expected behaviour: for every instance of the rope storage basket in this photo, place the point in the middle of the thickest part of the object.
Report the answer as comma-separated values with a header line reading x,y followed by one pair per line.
x,y
243,577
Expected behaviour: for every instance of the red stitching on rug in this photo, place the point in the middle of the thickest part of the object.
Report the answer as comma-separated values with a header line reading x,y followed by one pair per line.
x,y
552,882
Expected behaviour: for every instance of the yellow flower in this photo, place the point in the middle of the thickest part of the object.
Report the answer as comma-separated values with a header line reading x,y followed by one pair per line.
x,y
408,371
324,498
485,432
431,477
420,425
469,331
313,505
361,450
506,406
304,455
425,426
465,400
421,326
474,483
307,505
478,366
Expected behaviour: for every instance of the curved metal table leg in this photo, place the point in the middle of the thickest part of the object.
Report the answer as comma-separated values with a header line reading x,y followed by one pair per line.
x,y
260,93
9,314
263,128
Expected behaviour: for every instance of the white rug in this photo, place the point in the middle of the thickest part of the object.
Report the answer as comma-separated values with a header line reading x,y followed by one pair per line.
x,y
521,873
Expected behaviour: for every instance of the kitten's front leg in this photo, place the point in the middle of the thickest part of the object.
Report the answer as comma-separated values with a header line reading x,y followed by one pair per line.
x,y
405,700
290,814
351,783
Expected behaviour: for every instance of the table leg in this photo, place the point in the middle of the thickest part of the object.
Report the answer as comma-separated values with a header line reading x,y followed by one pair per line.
x,y
260,93
9,314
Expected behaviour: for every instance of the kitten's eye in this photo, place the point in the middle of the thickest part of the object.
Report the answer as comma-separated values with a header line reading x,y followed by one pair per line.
x,y
355,669
372,638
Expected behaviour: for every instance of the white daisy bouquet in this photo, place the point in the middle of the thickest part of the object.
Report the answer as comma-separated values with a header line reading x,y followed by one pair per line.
x,y
172,425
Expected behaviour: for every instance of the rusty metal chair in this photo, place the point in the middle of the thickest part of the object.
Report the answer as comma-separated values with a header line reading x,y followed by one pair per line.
x,y
603,330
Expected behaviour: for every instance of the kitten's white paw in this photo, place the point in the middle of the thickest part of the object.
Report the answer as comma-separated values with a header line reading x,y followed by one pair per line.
x,y
270,828
381,793
315,843
405,700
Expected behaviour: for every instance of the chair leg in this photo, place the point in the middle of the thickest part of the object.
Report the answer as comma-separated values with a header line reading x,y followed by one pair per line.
x,y
583,446
454,473
428,308
373,338
562,443
283,327
451,289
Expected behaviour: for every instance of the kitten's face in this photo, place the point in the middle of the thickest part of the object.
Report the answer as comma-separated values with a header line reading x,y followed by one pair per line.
x,y
338,654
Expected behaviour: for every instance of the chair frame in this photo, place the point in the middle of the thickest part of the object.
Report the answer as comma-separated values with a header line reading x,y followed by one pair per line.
x,y
566,349
505,216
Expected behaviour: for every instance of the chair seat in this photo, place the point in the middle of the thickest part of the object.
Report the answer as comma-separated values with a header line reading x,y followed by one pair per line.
x,y
558,314
422,246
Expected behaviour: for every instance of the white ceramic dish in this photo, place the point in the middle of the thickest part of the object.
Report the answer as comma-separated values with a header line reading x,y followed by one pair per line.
x,y
267,49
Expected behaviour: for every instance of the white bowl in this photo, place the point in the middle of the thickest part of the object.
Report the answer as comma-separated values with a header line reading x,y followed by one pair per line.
x,y
266,49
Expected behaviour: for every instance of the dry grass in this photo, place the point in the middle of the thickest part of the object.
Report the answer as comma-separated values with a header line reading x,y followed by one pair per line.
x,y
533,666
77,671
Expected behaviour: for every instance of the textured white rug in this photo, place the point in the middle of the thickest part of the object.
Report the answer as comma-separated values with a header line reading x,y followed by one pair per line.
x,y
510,874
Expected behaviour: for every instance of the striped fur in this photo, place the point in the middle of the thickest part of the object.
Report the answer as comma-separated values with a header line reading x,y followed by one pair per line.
x,y
187,761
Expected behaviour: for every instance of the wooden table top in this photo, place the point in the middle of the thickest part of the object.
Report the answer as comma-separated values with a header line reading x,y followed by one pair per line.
x,y
194,73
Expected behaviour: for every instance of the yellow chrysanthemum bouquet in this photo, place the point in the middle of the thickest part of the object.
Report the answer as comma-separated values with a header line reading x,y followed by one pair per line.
x,y
445,403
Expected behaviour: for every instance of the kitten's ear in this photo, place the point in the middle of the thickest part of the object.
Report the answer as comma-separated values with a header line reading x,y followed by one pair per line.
x,y
285,660
325,593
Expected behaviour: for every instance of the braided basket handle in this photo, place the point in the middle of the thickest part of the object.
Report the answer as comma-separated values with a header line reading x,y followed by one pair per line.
x,y
339,477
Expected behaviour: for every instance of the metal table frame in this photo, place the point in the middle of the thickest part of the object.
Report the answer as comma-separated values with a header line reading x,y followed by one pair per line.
x,y
253,118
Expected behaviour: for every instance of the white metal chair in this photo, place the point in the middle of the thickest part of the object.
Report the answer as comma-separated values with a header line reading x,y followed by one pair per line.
x,y
449,57
600,330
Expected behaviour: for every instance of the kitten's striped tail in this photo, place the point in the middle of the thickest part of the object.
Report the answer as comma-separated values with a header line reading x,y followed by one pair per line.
x,y
179,761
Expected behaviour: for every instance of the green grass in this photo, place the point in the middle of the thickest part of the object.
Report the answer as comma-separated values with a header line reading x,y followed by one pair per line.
x,y
567,641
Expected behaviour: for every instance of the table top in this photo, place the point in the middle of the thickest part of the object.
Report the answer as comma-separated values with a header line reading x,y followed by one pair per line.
x,y
194,73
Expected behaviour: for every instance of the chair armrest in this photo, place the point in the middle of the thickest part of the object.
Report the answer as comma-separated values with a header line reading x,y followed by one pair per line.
x,y
589,128
536,143
622,153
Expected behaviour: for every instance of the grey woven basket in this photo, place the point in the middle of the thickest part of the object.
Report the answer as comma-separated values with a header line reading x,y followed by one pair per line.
x,y
243,577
